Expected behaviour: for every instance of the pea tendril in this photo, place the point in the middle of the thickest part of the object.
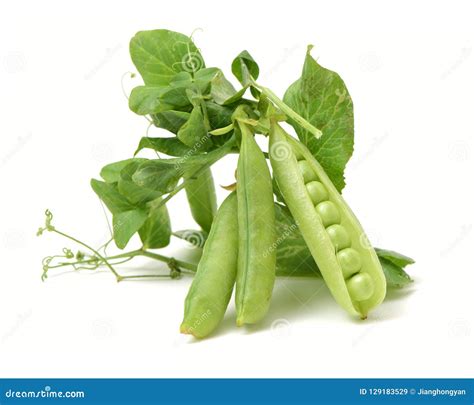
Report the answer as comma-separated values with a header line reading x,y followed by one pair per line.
x,y
96,260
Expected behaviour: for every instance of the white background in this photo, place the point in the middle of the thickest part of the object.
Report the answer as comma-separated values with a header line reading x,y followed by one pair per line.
x,y
409,68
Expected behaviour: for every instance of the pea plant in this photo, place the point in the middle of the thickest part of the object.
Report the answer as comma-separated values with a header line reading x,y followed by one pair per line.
x,y
290,221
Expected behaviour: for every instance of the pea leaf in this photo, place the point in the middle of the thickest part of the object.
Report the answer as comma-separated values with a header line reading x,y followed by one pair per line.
x,y
168,146
219,115
156,231
396,258
193,133
111,172
161,175
293,256
244,67
221,89
395,275
321,97
146,100
136,194
170,120
126,224
159,54
109,194
204,78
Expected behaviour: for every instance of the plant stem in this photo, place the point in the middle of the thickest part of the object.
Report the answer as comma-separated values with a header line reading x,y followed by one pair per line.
x,y
117,276
287,110
130,255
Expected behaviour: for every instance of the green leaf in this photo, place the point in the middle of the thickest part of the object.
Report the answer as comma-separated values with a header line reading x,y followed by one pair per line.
x,y
221,89
244,68
146,100
163,174
125,224
109,194
170,120
219,116
321,97
169,146
159,54
396,277
136,194
293,256
156,231
177,96
111,172
204,79
193,133
396,258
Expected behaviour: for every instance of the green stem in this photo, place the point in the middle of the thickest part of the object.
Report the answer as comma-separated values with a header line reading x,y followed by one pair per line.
x,y
287,110
117,276
145,276
130,255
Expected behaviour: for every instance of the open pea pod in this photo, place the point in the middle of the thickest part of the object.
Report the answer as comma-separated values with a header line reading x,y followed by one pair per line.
x,y
335,238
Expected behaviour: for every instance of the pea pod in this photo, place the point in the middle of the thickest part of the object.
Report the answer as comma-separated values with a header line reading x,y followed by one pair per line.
x,y
256,213
212,286
201,195
334,236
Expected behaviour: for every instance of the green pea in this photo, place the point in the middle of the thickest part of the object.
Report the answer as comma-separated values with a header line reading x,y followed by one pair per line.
x,y
211,289
307,172
317,192
339,237
328,212
257,236
360,286
350,262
